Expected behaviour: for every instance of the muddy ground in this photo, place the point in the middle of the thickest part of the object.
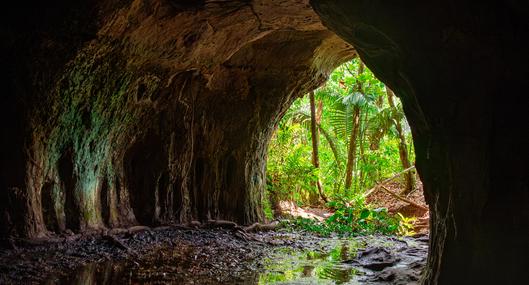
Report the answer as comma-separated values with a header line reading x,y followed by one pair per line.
x,y
213,256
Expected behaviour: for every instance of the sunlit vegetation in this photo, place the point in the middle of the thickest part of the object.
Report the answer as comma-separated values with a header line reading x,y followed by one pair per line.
x,y
334,145
354,220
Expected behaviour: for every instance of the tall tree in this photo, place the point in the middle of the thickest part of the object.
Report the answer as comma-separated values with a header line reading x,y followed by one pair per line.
x,y
351,152
363,134
315,141
403,148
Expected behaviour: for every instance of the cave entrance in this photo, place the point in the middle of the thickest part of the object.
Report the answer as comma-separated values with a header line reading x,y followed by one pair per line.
x,y
342,158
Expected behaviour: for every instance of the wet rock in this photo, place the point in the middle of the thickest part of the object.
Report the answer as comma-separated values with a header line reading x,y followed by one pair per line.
x,y
423,238
376,259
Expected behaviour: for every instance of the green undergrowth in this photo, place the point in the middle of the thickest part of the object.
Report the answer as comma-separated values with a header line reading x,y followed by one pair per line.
x,y
347,137
354,220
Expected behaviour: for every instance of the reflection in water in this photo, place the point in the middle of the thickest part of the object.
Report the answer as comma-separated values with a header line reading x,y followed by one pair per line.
x,y
310,267
94,273
281,266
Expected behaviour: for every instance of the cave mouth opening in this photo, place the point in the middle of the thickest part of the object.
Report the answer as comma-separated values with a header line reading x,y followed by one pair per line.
x,y
344,153
453,73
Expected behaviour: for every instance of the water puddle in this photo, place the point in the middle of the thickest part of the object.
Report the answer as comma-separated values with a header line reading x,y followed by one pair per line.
x,y
324,266
323,261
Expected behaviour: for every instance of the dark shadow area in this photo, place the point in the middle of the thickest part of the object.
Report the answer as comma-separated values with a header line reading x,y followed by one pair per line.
x,y
144,162
104,198
49,214
177,197
164,196
196,187
69,182
230,195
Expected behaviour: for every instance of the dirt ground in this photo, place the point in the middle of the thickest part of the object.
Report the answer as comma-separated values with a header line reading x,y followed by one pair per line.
x,y
377,199
380,198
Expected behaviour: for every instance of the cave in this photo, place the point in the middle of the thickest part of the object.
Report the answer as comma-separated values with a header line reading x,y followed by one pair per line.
x,y
145,112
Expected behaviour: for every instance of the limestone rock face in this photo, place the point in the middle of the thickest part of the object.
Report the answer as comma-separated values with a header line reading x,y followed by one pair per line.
x,y
149,111
461,70
123,112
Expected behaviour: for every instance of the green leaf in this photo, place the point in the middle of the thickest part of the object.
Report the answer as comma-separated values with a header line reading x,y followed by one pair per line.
x,y
364,213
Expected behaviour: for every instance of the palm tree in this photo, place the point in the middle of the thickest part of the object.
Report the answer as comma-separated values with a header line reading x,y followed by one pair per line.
x,y
353,103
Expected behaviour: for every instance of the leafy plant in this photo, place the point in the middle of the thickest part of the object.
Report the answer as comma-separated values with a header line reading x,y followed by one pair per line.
x,y
405,225
355,220
352,99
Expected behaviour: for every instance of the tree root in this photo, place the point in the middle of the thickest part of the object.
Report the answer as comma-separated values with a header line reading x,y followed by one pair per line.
x,y
221,224
380,184
255,227
402,198
137,229
258,227
113,235
116,242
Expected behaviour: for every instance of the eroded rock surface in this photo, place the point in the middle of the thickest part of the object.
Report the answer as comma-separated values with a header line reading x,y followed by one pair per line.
x,y
150,111
460,68
116,113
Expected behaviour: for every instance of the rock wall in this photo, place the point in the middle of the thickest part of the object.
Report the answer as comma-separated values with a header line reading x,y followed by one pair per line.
x,y
460,68
123,112
149,111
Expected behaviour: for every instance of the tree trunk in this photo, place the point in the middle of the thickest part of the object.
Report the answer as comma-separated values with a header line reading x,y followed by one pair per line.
x,y
351,153
332,144
315,141
363,128
403,149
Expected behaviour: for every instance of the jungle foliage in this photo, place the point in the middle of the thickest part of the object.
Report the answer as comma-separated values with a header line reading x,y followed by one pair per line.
x,y
360,130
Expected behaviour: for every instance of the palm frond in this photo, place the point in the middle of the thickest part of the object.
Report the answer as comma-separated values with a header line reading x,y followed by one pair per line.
x,y
381,123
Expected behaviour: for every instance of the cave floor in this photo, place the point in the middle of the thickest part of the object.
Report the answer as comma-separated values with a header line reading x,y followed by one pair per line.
x,y
215,256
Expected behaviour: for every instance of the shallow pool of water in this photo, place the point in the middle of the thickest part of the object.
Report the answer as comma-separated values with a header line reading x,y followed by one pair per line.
x,y
322,261
311,266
